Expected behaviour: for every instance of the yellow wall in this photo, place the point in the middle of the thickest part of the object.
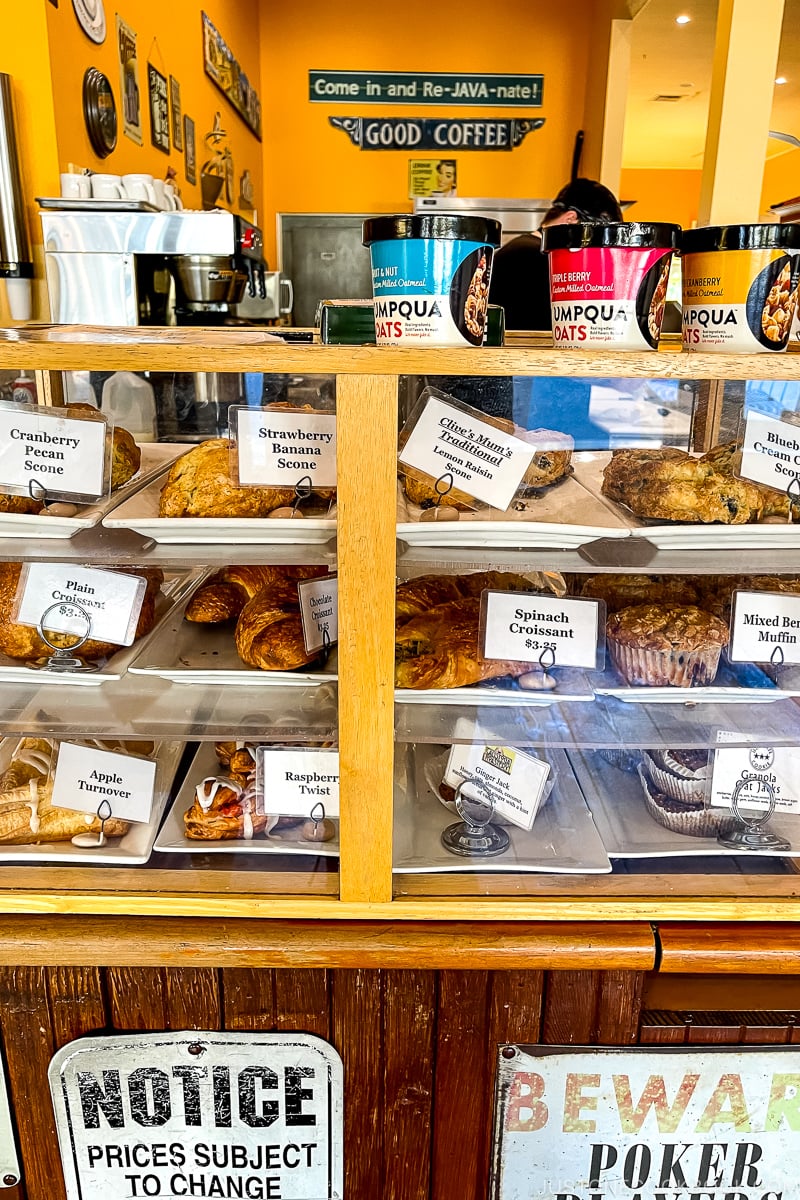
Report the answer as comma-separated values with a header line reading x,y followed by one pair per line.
x,y
311,167
781,179
170,36
666,195
24,56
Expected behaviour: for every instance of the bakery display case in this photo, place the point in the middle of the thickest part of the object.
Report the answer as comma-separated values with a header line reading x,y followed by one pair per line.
x,y
632,526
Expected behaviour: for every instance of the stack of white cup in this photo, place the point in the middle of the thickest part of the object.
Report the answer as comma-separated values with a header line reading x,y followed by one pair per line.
x,y
121,187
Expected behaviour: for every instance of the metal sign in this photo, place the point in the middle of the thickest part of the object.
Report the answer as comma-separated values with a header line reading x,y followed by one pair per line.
x,y
255,1115
646,1124
422,133
438,87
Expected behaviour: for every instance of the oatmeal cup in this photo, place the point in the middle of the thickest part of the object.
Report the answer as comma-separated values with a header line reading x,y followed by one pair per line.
x,y
655,645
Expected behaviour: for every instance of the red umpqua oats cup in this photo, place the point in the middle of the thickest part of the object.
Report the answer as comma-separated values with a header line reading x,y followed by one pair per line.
x,y
608,283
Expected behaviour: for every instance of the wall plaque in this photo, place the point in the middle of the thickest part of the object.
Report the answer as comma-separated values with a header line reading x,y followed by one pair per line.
x,y
646,1124
199,1114
422,133
438,87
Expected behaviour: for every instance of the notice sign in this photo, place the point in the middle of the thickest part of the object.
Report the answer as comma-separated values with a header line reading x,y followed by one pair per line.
x,y
524,627
437,87
771,452
646,1124
295,782
776,766
319,610
279,448
61,456
484,461
86,778
255,1115
108,602
765,627
515,781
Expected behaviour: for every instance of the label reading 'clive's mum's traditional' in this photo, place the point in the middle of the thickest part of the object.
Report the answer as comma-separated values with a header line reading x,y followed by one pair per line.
x,y
484,461
63,457
279,449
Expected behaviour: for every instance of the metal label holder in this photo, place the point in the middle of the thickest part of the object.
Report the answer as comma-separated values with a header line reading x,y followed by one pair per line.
x,y
474,836
751,834
63,659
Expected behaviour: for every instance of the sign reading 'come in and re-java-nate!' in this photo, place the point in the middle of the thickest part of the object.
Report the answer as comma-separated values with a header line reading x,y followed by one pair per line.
x,y
438,87
646,1124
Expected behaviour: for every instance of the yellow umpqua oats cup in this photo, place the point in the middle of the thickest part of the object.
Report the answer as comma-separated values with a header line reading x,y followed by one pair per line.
x,y
740,287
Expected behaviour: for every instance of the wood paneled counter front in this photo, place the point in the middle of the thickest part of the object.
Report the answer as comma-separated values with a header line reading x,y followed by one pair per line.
x,y
366,400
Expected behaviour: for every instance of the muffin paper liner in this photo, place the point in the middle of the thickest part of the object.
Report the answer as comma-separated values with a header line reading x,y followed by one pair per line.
x,y
664,668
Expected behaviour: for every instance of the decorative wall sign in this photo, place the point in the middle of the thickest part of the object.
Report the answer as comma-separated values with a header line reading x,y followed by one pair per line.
x,y
190,152
432,177
247,191
440,88
99,112
129,82
574,1124
422,133
159,108
92,18
222,67
175,111
199,1114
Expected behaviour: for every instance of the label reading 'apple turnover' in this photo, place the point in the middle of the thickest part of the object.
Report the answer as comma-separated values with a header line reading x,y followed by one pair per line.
x,y
284,449
86,779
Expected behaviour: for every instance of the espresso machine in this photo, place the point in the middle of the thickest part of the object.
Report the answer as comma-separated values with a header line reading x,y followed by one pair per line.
x,y
159,268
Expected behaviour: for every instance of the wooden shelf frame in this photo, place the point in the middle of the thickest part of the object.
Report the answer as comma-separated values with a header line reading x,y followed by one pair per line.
x,y
367,382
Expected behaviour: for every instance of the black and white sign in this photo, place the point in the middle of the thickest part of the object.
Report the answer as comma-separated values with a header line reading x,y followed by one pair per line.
x,y
423,133
437,87
771,452
293,782
778,766
765,627
110,600
522,627
255,1115
646,1124
61,456
319,609
279,449
515,781
484,461
85,777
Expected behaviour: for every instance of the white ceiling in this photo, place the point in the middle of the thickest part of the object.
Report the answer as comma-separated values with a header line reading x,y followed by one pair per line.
x,y
670,59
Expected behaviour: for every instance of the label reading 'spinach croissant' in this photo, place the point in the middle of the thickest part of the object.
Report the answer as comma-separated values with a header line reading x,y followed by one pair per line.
x,y
742,301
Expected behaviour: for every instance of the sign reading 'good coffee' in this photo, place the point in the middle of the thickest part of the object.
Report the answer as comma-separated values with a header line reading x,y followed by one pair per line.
x,y
607,1124
419,133
255,1115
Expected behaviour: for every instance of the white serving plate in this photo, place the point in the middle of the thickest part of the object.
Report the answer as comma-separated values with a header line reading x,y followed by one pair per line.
x,y
131,850
735,683
773,533
140,513
616,801
175,589
186,652
573,685
156,458
173,840
563,516
563,839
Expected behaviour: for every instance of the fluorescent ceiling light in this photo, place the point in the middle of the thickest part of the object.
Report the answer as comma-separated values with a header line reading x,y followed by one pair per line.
x,y
781,79
683,19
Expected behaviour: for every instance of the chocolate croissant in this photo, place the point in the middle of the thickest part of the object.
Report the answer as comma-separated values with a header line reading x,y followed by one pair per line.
x,y
23,641
269,632
440,648
224,594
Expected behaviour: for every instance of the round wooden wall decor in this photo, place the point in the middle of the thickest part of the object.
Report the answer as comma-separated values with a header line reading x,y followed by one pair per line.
x,y
99,112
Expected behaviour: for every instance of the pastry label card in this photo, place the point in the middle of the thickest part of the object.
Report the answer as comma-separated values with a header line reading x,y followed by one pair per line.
x,y
277,448
516,782
526,627
297,783
50,457
85,778
85,601
319,609
453,441
765,628
771,453
775,766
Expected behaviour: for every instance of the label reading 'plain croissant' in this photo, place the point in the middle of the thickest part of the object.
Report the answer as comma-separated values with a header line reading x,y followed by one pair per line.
x,y
43,454
85,779
319,609
63,598
281,449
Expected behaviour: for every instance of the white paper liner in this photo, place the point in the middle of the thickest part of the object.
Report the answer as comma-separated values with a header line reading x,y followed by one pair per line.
x,y
699,822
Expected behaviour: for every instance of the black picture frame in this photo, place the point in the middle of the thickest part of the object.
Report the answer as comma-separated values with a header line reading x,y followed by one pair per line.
x,y
159,108
190,151
176,112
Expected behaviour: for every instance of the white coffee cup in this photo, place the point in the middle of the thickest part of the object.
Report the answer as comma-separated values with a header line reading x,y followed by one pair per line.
x,y
75,187
107,187
161,195
172,199
139,187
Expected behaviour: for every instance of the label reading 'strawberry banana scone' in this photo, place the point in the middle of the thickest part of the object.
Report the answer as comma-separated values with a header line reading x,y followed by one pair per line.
x,y
742,301
608,296
430,290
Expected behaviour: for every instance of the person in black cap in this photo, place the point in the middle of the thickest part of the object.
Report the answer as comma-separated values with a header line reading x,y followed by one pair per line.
x,y
520,279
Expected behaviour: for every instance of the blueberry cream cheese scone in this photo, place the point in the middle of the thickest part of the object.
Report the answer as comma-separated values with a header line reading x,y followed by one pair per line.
x,y
655,645
671,485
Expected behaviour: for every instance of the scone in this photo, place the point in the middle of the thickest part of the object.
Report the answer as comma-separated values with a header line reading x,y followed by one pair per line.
x,y
654,645
671,485
199,484
622,591
727,459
